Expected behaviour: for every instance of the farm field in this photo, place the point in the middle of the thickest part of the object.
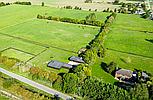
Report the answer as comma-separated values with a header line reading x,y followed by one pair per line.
x,y
3,98
36,41
129,43
97,4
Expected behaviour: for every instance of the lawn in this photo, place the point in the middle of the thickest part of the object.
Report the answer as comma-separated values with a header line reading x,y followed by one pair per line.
x,y
98,71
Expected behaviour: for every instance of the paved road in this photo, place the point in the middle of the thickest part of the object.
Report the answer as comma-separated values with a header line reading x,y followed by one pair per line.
x,y
36,85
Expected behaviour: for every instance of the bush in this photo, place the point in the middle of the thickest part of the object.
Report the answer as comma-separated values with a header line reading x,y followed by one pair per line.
x,y
42,4
88,1
89,21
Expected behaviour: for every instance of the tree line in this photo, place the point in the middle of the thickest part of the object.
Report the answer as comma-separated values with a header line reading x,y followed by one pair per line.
x,y
87,21
4,4
22,3
95,48
23,91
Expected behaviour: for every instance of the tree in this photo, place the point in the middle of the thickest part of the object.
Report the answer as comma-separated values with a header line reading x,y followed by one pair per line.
x,y
42,4
116,2
140,92
70,81
115,10
91,17
146,14
111,68
58,84
107,10
88,1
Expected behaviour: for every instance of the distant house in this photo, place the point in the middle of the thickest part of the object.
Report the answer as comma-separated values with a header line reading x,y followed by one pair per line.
x,y
58,65
75,60
139,12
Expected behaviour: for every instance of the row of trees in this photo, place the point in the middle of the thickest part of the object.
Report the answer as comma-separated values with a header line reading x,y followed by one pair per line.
x,y
70,7
40,74
96,49
88,1
3,4
19,89
22,3
90,20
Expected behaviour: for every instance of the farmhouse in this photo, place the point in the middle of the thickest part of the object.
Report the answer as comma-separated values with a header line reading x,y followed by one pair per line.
x,y
75,60
58,65
123,74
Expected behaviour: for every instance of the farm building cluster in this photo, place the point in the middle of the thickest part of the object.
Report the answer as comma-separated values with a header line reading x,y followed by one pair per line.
x,y
73,61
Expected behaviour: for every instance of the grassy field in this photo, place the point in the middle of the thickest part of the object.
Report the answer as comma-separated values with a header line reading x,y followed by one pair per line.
x,y
36,41
98,71
3,98
97,4
128,44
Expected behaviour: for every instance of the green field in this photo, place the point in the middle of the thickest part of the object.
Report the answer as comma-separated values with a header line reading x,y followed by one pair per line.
x,y
3,98
127,43
39,41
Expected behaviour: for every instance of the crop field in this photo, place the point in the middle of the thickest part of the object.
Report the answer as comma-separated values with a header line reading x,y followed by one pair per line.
x,y
129,43
36,41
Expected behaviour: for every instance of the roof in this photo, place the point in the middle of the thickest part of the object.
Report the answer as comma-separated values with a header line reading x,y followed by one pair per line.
x,y
58,65
67,65
76,59
55,64
125,72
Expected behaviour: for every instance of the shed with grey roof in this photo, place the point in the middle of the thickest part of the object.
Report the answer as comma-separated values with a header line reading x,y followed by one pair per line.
x,y
57,65
76,59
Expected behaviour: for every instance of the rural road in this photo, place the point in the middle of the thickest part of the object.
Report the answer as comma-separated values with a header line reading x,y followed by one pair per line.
x,y
36,85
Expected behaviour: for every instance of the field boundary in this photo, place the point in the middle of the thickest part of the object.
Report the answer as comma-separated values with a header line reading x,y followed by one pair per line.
x,y
130,53
18,23
36,55
37,43
17,50
144,31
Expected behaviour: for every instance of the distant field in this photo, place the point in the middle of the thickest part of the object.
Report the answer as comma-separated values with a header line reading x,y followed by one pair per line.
x,y
129,43
97,4
39,41
133,22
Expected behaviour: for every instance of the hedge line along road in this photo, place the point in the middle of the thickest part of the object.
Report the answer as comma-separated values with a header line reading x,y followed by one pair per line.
x,y
36,85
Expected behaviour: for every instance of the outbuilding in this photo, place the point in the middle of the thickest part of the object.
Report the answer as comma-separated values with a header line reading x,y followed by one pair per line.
x,y
58,65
